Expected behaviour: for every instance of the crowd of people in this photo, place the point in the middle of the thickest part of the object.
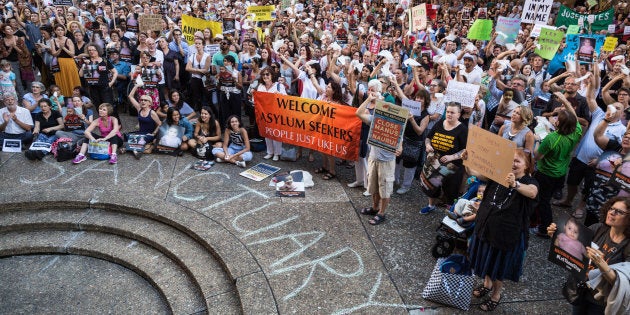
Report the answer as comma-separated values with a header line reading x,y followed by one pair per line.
x,y
68,73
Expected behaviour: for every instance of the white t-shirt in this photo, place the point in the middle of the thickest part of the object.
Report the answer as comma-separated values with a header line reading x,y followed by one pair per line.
x,y
22,114
308,89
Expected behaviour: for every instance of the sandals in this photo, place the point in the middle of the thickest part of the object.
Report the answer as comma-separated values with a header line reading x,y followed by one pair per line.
x,y
321,170
368,211
378,219
481,291
328,176
490,305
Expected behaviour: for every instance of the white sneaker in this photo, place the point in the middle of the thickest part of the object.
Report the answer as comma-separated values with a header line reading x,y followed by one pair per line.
x,y
268,156
402,190
218,160
354,184
276,157
366,193
241,164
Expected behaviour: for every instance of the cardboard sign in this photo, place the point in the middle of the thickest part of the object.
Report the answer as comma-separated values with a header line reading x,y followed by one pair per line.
x,y
538,27
573,29
573,45
463,93
601,20
262,12
489,154
549,42
12,145
568,246
419,17
330,128
192,24
414,107
386,131
150,22
507,30
610,43
481,29
537,11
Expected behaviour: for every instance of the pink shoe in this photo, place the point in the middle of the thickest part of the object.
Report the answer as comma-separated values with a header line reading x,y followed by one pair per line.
x,y
113,159
79,158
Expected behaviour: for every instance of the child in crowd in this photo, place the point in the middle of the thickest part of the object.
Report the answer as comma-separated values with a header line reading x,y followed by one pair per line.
x,y
465,211
7,79
235,144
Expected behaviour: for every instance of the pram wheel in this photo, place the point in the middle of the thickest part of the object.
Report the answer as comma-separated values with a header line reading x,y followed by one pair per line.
x,y
442,248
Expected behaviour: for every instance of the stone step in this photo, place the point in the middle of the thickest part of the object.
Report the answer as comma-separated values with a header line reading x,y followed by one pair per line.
x,y
178,290
200,264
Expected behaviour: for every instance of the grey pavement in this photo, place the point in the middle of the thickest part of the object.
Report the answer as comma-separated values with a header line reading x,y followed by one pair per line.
x,y
155,236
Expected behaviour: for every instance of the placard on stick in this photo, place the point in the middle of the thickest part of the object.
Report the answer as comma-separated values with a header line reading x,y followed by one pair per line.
x,y
388,126
489,154
150,22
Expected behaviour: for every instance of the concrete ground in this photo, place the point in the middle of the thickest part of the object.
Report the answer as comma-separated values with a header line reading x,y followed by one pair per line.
x,y
155,236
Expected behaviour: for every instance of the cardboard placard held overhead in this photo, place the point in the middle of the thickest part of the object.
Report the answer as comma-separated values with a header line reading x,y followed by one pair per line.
x,y
489,154
463,93
150,22
536,11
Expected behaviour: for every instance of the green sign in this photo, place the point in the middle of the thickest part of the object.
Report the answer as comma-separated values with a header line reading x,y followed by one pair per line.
x,y
481,29
568,17
573,29
549,42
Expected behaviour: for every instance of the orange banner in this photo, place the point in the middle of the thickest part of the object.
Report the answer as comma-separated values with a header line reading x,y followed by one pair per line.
x,y
329,128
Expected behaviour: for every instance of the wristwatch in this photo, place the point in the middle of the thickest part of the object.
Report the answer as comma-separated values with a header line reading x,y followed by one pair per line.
x,y
518,185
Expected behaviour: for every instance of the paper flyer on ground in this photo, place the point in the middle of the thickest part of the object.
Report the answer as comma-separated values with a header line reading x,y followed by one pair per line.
x,y
568,246
388,126
260,171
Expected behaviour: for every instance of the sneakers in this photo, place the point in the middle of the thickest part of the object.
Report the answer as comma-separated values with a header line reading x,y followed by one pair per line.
x,y
79,158
113,159
268,156
428,209
276,157
354,184
402,190
241,164
367,193
218,160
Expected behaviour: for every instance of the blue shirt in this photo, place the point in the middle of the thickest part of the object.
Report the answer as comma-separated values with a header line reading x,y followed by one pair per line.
x,y
123,68
173,46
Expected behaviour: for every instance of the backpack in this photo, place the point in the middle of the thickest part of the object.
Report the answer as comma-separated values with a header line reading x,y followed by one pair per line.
x,y
66,150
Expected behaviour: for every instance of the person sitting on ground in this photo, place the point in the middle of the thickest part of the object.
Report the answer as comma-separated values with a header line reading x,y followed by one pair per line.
x,y
73,125
171,138
15,122
109,129
207,133
236,147
148,120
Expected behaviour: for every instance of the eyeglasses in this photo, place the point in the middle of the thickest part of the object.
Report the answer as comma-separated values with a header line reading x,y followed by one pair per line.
x,y
622,94
266,74
274,67
615,211
224,44
518,84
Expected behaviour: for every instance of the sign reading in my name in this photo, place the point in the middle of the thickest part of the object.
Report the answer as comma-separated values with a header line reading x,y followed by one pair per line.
x,y
536,11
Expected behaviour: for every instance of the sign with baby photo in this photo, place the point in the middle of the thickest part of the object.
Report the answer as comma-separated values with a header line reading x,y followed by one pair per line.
x,y
568,246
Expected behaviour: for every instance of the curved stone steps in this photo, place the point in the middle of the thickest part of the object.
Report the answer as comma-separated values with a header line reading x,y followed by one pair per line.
x,y
177,289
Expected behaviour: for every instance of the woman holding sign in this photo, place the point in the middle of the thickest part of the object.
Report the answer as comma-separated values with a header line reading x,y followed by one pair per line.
x,y
498,244
612,236
444,146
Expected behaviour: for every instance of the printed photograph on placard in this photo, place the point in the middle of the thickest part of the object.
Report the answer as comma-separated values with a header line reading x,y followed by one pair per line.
x,y
568,245
586,50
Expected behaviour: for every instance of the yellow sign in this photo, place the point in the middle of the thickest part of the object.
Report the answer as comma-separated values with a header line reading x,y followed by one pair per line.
x,y
610,43
262,12
192,24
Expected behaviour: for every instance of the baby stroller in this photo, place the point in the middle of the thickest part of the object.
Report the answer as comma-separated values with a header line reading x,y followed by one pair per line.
x,y
450,234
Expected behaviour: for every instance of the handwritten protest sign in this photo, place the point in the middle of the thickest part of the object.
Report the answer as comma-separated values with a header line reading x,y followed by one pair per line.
x,y
610,43
262,12
150,22
414,107
192,24
601,20
387,128
464,93
507,29
419,17
481,29
537,11
536,30
489,154
568,246
611,29
574,41
330,128
549,42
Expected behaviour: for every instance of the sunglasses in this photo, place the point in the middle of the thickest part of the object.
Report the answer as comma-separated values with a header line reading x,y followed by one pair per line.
x,y
266,74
